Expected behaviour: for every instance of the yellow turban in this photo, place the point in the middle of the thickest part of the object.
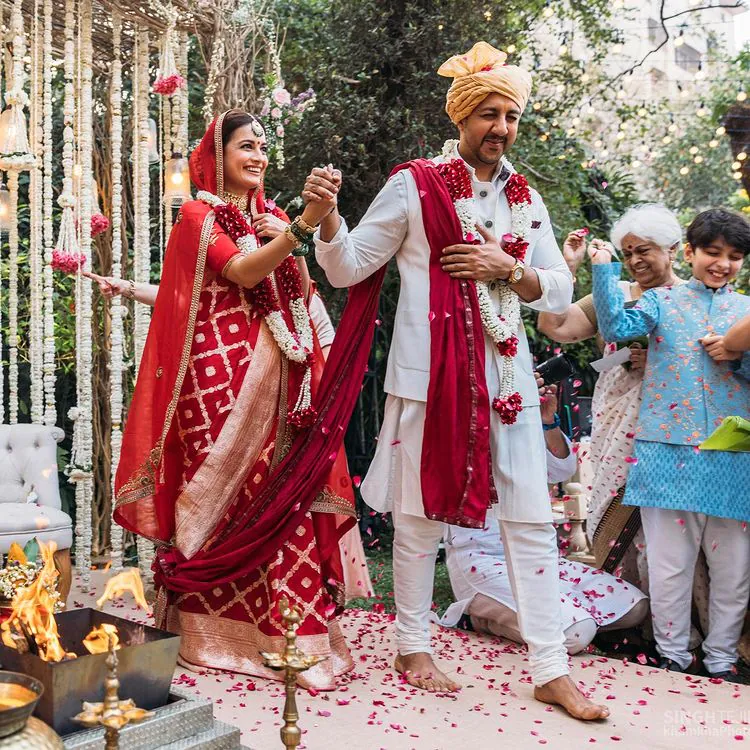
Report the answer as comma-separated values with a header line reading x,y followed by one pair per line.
x,y
477,74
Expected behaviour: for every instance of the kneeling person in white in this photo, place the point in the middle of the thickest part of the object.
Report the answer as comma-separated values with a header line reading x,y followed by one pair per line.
x,y
590,599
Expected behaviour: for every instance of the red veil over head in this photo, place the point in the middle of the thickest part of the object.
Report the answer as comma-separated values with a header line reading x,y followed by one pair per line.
x,y
148,473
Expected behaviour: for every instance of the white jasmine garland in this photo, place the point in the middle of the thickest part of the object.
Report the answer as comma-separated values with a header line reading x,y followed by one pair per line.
x,y
13,242
502,328
117,367
48,355
142,244
83,447
36,243
295,345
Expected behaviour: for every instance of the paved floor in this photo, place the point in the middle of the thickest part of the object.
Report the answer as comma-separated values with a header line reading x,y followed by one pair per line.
x,y
495,708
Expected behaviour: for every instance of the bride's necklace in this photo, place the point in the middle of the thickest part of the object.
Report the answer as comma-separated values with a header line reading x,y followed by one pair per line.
x,y
240,201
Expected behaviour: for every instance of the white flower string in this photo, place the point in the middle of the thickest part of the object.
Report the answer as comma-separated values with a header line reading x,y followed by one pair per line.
x,y
142,243
164,115
214,69
82,457
296,345
142,240
117,367
15,156
180,122
13,299
36,240
2,368
16,153
67,238
48,367
503,328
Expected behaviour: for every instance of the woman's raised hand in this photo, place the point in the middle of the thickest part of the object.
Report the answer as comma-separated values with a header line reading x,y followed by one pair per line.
x,y
320,192
600,251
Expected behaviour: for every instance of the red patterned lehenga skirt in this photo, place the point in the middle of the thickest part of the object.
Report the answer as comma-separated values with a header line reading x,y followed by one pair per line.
x,y
231,431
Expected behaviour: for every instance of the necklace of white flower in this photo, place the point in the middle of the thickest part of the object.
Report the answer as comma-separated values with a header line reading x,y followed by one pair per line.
x,y
296,346
500,328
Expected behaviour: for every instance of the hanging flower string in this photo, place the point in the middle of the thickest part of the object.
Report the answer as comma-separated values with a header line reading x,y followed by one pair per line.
x,y
169,80
297,344
502,328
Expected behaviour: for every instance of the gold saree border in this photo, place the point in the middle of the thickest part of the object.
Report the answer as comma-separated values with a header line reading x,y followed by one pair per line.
x,y
201,505
143,482
328,501
208,641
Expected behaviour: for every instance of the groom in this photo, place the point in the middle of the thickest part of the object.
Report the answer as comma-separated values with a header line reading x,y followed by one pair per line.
x,y
462,435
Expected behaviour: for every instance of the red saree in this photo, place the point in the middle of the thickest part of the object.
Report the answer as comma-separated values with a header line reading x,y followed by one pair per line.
x,y
206,429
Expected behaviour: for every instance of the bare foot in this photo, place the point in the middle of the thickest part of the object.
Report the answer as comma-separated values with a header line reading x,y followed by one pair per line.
x,y
563,692
422,672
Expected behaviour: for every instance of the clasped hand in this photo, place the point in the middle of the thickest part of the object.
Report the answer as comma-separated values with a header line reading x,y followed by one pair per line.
x,y
479,262
321,190
715,348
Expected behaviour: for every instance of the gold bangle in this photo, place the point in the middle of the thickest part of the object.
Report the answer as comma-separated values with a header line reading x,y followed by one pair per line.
x,y
131,288
289,234
304,226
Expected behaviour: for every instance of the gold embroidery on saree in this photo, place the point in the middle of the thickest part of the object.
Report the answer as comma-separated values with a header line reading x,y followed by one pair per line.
x,y
328,501
143,481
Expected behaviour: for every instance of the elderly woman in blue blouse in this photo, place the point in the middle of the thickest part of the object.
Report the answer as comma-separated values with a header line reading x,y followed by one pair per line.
x,y
689,499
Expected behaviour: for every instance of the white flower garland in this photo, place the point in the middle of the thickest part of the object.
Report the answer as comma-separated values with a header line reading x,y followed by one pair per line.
x,y
117,309
501,328
17,156
36,322
141,189
214,69
48,366
83,446
13,299
67,238
142,241
180,120
2,369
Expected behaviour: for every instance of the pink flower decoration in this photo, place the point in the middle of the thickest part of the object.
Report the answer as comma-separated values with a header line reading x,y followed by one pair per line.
x,y
99,224
66,262
166,86
281,96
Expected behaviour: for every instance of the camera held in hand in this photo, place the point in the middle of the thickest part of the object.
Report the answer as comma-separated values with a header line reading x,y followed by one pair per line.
x,y
556,369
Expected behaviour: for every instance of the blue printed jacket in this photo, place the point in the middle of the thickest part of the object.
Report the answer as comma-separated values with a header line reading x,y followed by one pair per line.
x,y
685,393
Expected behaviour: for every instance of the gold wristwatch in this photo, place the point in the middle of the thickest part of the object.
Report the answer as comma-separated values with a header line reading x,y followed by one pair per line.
x,y
516,273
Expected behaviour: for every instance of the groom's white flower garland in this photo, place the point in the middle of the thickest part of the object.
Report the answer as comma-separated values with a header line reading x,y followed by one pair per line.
x,y
297,345
500,328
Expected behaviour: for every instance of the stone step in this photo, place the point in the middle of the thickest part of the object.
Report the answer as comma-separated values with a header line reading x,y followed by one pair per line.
x,y
182,718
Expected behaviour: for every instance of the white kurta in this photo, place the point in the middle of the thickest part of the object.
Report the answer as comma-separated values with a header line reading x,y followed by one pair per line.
x,y
392,227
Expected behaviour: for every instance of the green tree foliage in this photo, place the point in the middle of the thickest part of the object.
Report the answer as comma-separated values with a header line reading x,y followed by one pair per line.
x,y
380,102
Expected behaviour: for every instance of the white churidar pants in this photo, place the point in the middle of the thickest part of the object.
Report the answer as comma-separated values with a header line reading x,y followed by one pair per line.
x,y
531,556
673,540
518,452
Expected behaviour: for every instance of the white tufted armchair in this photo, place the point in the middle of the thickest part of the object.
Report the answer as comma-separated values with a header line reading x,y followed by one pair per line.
x,y
30,494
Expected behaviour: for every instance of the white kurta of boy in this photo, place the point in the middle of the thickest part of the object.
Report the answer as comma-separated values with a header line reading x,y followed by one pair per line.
x,y
392,227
